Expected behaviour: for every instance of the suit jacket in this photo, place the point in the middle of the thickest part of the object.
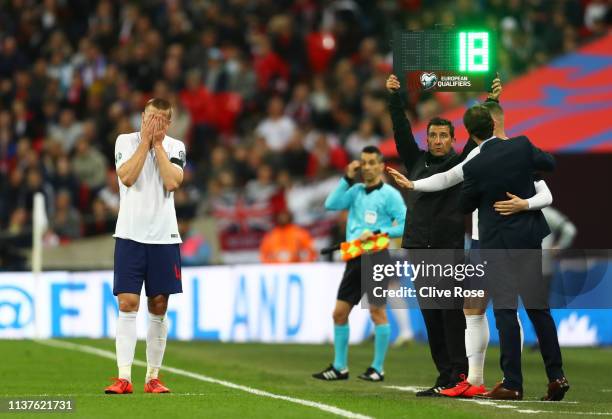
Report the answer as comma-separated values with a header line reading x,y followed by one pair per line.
x,y
505,166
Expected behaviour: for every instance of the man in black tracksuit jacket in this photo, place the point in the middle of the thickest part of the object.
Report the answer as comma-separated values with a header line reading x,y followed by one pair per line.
x,y
434,221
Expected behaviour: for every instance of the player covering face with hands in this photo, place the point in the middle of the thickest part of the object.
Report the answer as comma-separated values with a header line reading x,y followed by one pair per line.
x,y
150,167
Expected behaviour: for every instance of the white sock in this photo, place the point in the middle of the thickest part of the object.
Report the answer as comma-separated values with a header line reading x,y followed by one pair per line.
x,y
125,343
402,317
476,342
521,331
401,313
156,344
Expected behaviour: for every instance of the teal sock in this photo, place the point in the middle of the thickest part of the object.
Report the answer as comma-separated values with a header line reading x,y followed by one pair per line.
x,y
382,332
341,341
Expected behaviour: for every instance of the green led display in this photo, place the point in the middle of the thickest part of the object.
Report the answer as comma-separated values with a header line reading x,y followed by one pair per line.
x,y
451,60
474,52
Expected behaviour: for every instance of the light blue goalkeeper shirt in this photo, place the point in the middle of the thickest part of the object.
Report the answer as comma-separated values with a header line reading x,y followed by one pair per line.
x,y
373,208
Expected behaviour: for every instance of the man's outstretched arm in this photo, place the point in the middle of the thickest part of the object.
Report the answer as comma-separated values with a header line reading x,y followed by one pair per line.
x,y
405,143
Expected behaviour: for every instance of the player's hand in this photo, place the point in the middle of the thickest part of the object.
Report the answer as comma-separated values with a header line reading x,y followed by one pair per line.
x,y
401,180
366,235
496,88
146,129
392,84
158,131
352,168
512,205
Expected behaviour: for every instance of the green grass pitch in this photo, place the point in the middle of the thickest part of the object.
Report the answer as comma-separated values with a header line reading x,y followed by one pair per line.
x,y
31,368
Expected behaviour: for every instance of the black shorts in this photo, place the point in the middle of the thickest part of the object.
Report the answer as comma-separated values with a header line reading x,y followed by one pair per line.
x,y
353,286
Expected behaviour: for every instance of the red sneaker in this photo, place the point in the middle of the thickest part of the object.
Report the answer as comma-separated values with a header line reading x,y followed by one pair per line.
x,y
155,386
474,391
120,386
458,390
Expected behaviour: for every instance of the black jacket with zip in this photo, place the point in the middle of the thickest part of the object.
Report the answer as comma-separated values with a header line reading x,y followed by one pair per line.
x,y
433,219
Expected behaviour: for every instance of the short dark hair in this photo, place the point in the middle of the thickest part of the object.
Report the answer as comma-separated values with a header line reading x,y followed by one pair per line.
x,y
478,122
372,149
161,104
443,122
494,108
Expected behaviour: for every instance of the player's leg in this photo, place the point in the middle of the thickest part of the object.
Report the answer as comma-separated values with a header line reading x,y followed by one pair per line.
x,y
129,274
476,336
401,314
157,335
125,340
338,370
382,333
349,294
476,342
341,334
163,279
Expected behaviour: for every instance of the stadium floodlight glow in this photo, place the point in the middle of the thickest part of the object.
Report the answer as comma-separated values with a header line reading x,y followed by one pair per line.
x,y
474,52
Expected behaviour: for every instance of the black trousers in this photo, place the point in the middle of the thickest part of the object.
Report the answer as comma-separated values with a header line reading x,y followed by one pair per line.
x,y
444,318
510,345
446,336
519,273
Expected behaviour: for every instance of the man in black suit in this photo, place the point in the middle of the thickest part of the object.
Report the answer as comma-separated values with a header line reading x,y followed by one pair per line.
x,y
509,166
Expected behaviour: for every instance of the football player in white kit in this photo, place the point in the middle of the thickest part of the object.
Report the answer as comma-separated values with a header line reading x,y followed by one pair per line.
x,y
150,167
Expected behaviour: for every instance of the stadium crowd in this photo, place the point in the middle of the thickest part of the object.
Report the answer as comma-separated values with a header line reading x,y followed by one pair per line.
x,y
272,98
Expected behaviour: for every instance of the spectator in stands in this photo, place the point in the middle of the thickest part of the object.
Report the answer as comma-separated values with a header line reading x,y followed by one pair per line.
x,y
361,138
11,58
109,195
35,183
263,187
287,242
89,166
277,128
64,178
102,221
326,157
295,157
18,221
66,222
299,108
67,131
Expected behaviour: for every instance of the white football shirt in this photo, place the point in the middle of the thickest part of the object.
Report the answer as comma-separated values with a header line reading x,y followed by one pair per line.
x,y
146,209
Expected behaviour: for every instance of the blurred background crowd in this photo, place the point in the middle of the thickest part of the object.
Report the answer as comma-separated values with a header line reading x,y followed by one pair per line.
x,y
272,99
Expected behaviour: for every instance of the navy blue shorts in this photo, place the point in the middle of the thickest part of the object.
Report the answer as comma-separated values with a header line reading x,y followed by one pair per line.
x,y
157,265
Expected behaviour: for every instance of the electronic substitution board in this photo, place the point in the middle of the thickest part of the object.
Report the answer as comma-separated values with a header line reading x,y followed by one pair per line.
x,y
445,60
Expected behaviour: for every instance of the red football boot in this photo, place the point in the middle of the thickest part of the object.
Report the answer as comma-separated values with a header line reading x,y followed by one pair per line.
x,y
120,386
474,391
155,386
458,390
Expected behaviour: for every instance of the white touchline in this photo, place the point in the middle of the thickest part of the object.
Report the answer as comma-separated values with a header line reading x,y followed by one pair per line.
x,y
111,355
412,389
499,404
